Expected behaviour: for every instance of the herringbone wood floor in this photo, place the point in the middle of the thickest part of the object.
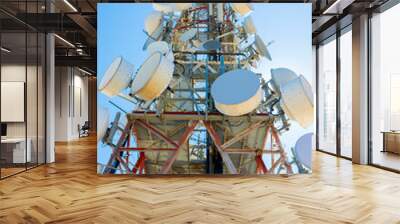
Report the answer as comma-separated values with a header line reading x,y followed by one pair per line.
x,y
70,191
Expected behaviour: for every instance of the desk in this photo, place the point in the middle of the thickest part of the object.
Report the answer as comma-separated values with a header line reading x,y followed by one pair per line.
x,y
391,141
16,147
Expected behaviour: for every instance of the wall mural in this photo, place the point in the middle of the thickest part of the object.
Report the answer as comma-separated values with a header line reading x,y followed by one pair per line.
x,y
204,88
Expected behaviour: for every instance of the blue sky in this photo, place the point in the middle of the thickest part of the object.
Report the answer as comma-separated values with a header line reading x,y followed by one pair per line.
x,y
120,33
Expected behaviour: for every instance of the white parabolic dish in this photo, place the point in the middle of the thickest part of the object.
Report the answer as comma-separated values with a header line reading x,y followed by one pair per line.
x,y
171,7
249,26
188,35
102,121
262,48
281,76
237,92
242,8
152,22
153,77
162,47
297,101
164,7
153,27
117,77
182,6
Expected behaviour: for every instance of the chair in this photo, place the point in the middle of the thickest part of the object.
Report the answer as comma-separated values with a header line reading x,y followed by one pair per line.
x,y
84,130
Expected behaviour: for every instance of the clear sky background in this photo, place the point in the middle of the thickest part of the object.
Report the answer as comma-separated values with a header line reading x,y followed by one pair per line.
x,y
120,33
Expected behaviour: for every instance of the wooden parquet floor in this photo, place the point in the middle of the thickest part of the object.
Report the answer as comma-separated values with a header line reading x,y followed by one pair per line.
x,y
70,191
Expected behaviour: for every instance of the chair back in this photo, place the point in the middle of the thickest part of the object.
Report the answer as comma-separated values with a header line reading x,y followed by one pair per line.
x,y
86,125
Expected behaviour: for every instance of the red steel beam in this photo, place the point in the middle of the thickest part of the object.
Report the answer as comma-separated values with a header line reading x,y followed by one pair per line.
x,y
275,164
184,138
137,164
217,141
124,149
187,113
157,132
241,135
249,151
283,158
261,168
115,153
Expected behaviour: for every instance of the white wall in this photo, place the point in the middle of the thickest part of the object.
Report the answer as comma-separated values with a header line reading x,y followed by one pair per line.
x,y
314,87
33,127
80,103
13,73
61,103
10,73
71,102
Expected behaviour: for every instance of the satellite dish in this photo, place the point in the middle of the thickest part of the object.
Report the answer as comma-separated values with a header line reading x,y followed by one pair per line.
x,y
153,37
164,7
171,7
117,77
162,47
237,92
249,26
244,44
182,6
281,76
297,101
153,27
303,150
262,48
152,22
242,8
188,35
212,45
152,77
102,122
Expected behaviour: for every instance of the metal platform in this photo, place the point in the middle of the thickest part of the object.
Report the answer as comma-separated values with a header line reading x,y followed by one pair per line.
x,y
239,144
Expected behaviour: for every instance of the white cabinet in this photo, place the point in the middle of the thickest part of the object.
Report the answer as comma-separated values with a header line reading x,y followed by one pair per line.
x,y
12,101
18,144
